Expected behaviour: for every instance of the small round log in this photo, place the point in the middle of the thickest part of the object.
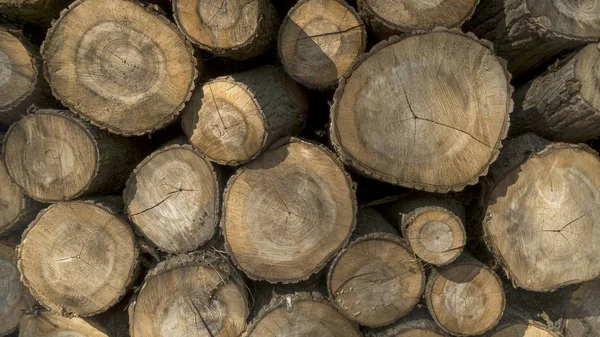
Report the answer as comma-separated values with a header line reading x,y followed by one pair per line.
x,y
319,40
47,324
236,29
188,296
173,198
15,297
78,258
234,119
399,115
124,67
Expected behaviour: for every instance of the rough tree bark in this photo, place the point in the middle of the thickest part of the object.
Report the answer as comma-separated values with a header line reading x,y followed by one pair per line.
x,y
54,156
399,115
319,40
236,29
21,79
235,118
417,324
124,67
173,198
78,258
465,298
39,12
15,297
541,214
530,34
432,225
387,18
582,311
191,295
375,280
47,324
288,212
563,104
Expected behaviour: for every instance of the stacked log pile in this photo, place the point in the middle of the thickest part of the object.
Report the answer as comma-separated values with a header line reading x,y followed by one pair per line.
x,y
262,168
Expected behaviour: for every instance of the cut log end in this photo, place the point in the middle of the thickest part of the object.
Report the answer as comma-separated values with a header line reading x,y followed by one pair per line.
x,y
284,216
78,258
173,198
319,41
399,114
391,18
587,72
205,298
129,81
417,324
435,234
376,264
48,324
300,315
524,329
465,298
544,211
11,200
582,311
569,18
15,298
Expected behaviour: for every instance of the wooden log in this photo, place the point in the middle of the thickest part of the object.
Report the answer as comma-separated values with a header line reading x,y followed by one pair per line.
x,y
564,103
235,29
78,258
288,212
54,156
465,298
387,18
539,29
191,295
173,198
300,314
124,67
21,81
417,324
319,40
399,114
582,311
540,216
15,297
523,329
233,119
38,12
47,324
375,280
433,226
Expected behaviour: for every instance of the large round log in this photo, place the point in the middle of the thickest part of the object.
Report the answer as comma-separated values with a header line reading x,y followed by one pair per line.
x,y
39,12
563,104
319,40
47,324
78,258
541,216
582,311
387,18
173,198
427,112
530,34
417,324
375,280
21,80
188,296
236,29
55,156
233,119
288,212
124,67
465,298
15,297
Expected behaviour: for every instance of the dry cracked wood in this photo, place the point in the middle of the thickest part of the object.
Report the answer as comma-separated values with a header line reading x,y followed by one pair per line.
x,y
564,103
173,197
78,258
238,29
541,219
319,40
235,118
465,298
288,212
427,111
15,298
39,12
532,33
417,324
124,67
47,324
375,280
189,296
54,156
389,17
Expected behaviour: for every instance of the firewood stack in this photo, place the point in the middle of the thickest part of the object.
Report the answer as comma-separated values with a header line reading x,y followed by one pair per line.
x,y
407,168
